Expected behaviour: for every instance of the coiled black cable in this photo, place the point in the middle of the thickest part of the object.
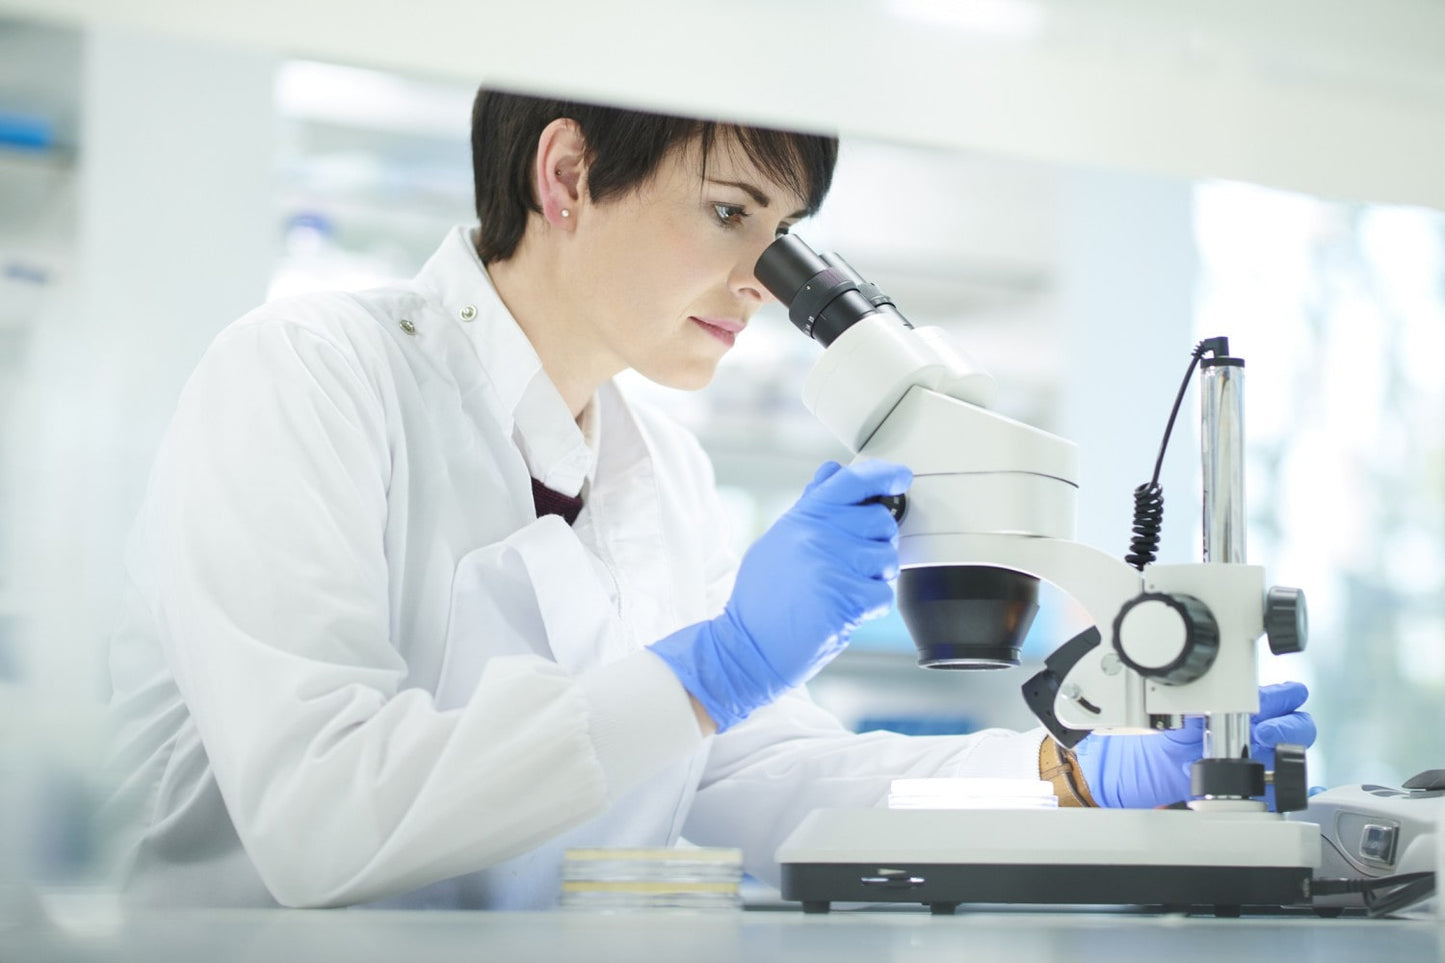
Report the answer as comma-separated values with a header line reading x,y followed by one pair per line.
x,y
1149,497
1148,520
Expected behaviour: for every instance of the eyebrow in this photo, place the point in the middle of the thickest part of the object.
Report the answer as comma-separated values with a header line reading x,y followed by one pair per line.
x,y
759,198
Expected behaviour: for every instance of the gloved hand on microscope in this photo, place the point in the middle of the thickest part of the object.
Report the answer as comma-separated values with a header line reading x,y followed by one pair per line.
x,y
1146,771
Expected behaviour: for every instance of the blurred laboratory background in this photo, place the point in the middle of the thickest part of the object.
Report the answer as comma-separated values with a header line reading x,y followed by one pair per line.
x,y
159,179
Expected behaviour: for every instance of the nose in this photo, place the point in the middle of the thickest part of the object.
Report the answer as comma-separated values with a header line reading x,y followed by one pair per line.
x,y
745,284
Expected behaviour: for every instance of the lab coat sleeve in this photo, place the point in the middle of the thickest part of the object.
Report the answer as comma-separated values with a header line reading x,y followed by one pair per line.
x,y
792,757
266,521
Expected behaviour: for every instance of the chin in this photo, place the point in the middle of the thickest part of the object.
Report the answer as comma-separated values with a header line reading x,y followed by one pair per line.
x,y
683,378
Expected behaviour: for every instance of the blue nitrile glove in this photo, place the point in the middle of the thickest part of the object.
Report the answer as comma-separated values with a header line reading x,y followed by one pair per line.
x,y
1141,772
828,564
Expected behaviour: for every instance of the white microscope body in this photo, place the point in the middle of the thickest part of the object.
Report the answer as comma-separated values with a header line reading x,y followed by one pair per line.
x,y
1170,640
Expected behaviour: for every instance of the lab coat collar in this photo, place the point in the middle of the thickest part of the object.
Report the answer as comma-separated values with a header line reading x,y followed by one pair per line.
x,y
620,505
555,448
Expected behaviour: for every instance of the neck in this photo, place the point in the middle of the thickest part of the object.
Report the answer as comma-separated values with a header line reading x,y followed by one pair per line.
x,y
533,287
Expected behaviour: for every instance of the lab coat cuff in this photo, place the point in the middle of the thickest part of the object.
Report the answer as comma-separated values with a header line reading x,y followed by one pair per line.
x,y
1002,754
641,720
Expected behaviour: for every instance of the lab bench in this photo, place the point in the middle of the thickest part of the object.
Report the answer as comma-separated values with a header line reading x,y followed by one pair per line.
x,y
874,935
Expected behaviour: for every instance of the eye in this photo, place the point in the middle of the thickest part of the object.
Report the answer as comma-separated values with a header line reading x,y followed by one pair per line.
x,y
782,229
730,215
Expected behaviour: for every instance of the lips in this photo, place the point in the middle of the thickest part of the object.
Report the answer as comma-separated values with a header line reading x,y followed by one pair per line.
x,y
724,329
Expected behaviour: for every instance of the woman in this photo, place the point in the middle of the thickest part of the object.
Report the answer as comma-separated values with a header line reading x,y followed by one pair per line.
x,y
421,599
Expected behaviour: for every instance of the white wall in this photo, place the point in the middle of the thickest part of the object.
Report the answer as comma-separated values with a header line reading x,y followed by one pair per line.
x,y
1126,318
175,237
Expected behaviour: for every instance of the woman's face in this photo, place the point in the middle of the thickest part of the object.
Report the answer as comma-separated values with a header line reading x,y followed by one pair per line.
x,y
665,272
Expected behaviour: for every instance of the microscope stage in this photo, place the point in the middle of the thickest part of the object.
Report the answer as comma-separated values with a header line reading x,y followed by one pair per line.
x,y
1170,858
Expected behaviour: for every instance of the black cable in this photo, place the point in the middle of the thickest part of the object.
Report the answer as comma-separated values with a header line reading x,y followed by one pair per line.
x,y
1382,895
1406,890
1149,497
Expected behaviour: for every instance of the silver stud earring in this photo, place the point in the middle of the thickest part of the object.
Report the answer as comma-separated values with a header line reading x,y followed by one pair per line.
x,y
566,213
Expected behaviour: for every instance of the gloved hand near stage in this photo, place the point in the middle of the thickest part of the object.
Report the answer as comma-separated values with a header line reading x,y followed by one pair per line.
x,y
828,564
1141,772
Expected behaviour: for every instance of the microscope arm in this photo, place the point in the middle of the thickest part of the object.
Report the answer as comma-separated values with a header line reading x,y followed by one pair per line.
x,y
988,490
991,491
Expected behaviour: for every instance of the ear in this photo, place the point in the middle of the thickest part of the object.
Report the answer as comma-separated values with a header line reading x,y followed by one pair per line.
x,y
561,172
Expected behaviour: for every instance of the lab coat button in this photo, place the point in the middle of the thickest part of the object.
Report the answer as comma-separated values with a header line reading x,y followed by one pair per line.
x,y
407,326
468,312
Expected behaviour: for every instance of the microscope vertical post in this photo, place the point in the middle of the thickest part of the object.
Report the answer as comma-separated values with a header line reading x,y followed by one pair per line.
x,y
1226,735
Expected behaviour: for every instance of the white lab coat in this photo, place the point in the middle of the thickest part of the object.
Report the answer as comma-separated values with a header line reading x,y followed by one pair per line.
x,y
356,666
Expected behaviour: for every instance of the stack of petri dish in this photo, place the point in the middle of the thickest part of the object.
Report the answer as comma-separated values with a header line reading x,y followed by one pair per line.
x,y
971,794
631,879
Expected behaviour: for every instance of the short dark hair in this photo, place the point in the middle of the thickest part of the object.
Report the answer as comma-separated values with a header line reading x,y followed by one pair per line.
x,y
623,148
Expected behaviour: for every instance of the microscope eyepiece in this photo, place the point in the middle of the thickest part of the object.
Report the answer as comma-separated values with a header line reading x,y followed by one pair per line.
x,y
787,265
824,295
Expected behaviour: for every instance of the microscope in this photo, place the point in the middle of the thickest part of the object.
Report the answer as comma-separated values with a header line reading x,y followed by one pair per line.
x,y
991,513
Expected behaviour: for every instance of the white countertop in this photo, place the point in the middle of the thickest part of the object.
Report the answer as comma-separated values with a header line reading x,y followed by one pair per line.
x,y
361,936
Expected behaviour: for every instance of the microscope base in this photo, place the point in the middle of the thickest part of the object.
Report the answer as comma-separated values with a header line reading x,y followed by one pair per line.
x,y
1167,858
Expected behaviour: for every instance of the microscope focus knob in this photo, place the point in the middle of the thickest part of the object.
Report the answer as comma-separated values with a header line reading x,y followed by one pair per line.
x,y
1172,639
1291,785
1286,621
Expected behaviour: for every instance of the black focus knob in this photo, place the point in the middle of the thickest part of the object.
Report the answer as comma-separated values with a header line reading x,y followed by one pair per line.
x,y
896,505
1286,620
1291,783
1172,639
